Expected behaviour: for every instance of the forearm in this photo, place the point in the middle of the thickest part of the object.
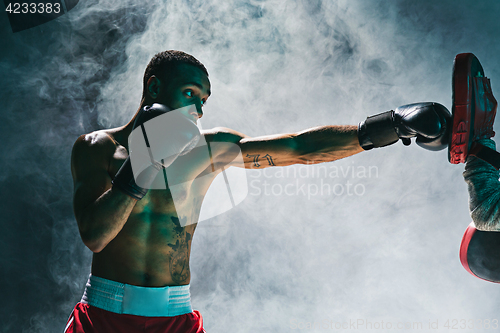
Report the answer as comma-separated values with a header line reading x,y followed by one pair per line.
x,y
327,143
484,192
102,220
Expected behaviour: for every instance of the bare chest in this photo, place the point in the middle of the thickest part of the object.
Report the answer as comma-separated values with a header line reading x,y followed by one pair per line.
x,y
176,190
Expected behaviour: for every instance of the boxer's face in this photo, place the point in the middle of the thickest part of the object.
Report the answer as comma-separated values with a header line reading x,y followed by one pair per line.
x,y
189,85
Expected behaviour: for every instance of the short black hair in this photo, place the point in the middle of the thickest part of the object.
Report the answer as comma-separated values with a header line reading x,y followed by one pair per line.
x,y
163,64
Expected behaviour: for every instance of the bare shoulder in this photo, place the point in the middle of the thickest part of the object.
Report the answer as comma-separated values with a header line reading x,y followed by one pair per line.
x,y
224,145
94,142
93,149
223,134
275,150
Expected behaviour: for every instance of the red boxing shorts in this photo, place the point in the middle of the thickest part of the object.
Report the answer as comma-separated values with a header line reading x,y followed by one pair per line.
x,y
109,306
90,319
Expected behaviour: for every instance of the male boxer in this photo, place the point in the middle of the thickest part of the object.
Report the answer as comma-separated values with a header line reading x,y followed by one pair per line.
x,y
141,242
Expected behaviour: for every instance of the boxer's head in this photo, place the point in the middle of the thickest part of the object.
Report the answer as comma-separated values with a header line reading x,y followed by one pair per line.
x,y
176,79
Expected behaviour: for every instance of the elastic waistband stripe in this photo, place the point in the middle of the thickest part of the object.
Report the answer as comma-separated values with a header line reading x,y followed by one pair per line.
x,y
141,301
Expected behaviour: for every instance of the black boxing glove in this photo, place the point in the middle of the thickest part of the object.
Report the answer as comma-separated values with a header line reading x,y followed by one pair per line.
x,y
154,146
425,121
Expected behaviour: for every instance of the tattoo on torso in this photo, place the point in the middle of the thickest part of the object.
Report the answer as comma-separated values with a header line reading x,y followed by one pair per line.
x,y
179,258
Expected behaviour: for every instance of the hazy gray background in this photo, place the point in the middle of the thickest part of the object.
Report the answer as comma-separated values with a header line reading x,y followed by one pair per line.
x,y
388,253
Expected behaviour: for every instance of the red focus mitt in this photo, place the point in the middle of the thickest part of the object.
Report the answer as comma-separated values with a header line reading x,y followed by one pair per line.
x,y
473,112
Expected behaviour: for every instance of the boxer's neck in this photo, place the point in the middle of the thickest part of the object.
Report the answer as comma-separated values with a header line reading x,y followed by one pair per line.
x,y
127,129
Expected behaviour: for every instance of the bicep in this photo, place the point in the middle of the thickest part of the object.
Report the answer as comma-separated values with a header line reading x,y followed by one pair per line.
x,y
236,149
90,175
270,150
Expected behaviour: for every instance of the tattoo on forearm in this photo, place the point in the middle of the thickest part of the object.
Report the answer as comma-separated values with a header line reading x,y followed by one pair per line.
x,y
268,157
255,160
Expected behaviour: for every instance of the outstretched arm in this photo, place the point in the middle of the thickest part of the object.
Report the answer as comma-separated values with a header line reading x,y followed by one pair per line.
x,y
425,121
314,145
328,143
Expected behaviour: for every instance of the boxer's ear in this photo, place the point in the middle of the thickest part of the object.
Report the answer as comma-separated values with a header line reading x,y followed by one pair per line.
x,y
153,87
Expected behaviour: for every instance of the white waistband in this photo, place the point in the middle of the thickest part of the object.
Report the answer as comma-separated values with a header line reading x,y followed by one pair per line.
x,y
140,301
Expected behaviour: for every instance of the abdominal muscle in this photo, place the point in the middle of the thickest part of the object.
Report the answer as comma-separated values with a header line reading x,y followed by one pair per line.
x,y
154,245
151,250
